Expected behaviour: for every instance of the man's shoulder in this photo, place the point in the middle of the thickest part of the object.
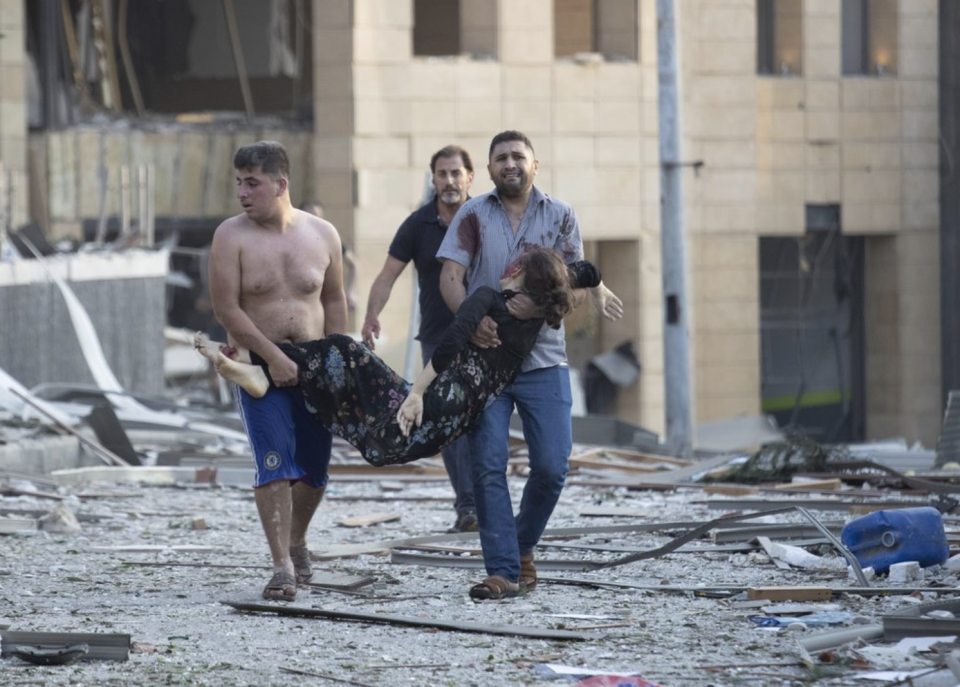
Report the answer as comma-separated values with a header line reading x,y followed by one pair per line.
x,y
233,228
546,198
424,213
235,221
479,200
317,224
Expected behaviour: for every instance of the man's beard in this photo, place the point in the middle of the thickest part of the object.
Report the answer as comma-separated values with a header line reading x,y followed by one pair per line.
x,y
451,197
513,190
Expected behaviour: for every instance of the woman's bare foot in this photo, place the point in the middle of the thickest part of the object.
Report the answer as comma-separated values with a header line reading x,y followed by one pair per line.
x,y
241,355
249,377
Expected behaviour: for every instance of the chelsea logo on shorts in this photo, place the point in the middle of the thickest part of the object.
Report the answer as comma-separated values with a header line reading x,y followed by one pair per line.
x,y
271,461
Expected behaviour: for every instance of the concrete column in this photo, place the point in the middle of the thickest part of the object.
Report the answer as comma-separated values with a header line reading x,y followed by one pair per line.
x,y
13,110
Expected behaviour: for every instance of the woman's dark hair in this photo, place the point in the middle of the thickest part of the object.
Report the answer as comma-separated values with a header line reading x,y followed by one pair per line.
x,y
546,280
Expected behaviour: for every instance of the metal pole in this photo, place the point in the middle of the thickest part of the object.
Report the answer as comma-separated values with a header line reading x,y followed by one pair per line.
x,y
151,194
676,335
49,62
238,57
3,214
125,200
142,201
128,68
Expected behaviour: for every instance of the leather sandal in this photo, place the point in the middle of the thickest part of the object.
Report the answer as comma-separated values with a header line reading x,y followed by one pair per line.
x,y
300,555
494,588
528,572
281,587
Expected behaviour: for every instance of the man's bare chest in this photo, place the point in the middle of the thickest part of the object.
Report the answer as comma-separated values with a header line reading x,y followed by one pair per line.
x,y
292,270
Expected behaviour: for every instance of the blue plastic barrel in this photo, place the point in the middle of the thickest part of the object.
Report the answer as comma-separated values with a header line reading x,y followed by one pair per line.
x,y
885,537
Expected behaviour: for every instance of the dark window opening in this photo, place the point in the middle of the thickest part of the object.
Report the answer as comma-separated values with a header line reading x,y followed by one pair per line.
x,y
869,37
436,27
780,37
172,56
607,27
812,329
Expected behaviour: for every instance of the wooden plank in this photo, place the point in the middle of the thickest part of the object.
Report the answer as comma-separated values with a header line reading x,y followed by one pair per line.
x,y
810,485
639,456
614,512
435,548
605,464
150,548
768,548
476,562
790,593
325,580
730,490
369,519
628,482
408,621
103,646
867,508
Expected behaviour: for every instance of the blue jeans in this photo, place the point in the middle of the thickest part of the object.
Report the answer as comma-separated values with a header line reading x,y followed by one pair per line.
x,y
456,457
543,400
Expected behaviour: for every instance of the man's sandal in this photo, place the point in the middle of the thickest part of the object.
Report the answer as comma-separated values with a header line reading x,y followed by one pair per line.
x,y
494,588
279,587
528,572
300,555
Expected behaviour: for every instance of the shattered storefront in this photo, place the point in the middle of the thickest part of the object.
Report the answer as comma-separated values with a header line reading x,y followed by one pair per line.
x,y
120,206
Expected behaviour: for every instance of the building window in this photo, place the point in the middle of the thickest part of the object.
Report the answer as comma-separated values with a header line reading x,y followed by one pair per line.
x,y
606,27
436,27
780,37
869,37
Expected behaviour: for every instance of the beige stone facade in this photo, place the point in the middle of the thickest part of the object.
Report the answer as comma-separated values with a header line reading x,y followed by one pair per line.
x,y
806,134
770,146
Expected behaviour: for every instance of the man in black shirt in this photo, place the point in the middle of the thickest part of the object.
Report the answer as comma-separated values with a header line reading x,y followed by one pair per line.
x,y
417,240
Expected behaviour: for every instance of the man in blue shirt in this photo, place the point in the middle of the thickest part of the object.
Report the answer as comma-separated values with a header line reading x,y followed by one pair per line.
x,y
488,233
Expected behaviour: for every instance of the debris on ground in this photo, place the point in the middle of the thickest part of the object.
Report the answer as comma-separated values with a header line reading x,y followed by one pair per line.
x,y
725,569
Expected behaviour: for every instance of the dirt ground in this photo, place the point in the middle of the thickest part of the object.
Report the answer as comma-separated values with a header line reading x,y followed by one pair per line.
x,y
141,566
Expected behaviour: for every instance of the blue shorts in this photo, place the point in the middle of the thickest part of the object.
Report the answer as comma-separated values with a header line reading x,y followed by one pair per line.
x,y
287,441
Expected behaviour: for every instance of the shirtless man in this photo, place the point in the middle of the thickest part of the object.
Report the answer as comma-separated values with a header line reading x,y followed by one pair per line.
x,y
276,277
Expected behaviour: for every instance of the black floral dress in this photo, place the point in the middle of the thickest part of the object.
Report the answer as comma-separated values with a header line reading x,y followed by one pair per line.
x,y
356,395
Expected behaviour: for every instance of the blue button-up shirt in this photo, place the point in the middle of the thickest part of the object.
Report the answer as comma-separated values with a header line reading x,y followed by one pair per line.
x,y
482,240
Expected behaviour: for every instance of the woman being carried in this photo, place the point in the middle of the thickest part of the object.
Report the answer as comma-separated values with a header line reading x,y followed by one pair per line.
x,y
359,397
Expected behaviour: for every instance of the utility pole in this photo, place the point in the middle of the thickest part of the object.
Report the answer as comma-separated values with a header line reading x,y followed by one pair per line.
x,y
676,334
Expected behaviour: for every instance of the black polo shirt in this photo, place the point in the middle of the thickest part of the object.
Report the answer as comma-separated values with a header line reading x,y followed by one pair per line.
x,y
418,239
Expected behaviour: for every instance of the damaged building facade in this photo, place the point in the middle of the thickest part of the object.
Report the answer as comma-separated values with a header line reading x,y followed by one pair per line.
x,y
810,134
